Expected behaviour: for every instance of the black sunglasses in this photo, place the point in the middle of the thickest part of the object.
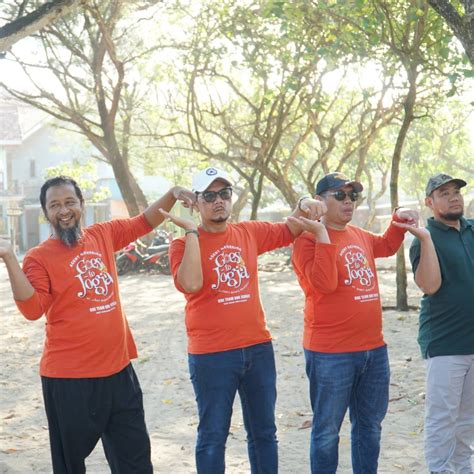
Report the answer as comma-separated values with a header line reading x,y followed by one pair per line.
x,y
341,195
210,196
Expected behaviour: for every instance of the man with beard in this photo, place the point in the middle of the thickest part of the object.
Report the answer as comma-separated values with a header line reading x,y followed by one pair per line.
x,y
229,345
442,257
89,386
346,356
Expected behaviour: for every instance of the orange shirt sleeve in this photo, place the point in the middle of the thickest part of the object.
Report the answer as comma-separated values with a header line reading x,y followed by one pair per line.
x,y
176,253
316,262
124,231
269,235
388,243
34,307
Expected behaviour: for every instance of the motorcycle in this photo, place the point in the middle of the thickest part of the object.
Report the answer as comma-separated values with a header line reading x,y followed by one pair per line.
x,y
137,255
161,237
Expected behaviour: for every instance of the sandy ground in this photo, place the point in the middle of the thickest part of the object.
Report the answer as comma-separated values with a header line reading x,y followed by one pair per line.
x,y
155,313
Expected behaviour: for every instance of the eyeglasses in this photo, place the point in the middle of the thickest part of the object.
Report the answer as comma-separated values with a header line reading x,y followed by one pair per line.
x,y
341,195
210,196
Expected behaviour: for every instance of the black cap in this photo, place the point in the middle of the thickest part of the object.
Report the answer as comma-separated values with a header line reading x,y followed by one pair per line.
x,y
436,181
336,181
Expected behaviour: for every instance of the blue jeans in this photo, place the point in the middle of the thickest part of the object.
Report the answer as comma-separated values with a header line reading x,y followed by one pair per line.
x,y
216,379
360,381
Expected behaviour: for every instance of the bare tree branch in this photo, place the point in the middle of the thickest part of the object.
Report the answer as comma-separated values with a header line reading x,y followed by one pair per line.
x,y
461,25
34,21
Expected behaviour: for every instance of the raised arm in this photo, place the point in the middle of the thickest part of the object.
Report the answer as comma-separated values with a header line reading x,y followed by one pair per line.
x,y
427,271
391,240
189,274
315,262
315,227
166,202
21,287
308,208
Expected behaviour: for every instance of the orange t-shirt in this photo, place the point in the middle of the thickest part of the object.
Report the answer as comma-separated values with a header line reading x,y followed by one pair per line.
x,y
87,334
342,303
227,313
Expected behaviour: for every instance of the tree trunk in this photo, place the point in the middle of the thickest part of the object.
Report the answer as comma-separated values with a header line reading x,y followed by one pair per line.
x,y
257,195
409,105
461,26
140,198
239,204
402,295
124,180
32,22
132,194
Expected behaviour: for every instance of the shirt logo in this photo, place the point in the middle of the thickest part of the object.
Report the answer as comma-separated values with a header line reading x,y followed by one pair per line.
x,y
230,271
357,266
95,280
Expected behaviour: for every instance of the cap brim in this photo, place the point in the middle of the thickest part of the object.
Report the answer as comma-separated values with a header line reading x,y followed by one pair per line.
x,y
460,182
203,186
356,186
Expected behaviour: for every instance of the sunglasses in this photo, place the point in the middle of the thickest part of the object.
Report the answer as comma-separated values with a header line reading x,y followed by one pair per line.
x,y
210,196
341,195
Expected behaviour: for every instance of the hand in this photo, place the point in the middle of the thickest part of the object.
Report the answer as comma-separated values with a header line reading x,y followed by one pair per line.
x,y
6,248
421,233
318,229
187,197
408,216
186,224
313,208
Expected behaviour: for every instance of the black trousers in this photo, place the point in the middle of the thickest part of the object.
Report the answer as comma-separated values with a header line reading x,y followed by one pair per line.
x,y
82,411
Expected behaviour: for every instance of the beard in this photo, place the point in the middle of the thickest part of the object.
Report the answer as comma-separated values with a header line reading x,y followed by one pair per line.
x,y
220,220
452,216
70,236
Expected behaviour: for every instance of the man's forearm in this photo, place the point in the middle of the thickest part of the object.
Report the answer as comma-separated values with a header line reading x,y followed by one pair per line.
x,y
190,271
166,202
152,212
428,273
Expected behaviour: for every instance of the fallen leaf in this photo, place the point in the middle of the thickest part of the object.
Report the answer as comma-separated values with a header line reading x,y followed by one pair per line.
x,y
306,424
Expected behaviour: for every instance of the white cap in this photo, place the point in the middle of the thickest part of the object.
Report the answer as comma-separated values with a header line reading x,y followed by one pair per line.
x,y
205,178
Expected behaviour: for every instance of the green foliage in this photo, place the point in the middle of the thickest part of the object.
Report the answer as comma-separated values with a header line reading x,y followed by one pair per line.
x,y
439,143
284,90
249,79
85,174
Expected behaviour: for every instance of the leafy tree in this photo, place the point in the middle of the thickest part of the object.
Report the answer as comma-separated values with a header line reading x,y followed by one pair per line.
x,y
258,100
461,23
92,82
445,147
413,44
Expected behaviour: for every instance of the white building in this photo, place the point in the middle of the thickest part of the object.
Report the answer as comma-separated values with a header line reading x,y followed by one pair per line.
x,y
29,144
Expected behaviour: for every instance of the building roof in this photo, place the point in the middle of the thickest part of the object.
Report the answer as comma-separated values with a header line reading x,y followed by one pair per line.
x,y
18,121
10,131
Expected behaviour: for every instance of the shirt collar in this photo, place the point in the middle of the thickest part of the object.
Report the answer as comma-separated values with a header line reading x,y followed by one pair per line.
x,y
440,225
